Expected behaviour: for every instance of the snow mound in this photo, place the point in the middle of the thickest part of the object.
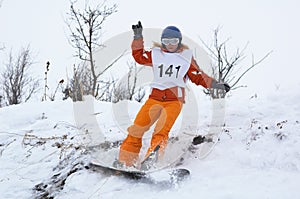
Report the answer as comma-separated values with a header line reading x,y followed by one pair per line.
x,y
45,154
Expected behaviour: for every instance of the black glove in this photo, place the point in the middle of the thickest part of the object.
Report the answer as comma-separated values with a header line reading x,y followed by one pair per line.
x,y
220,85
137,30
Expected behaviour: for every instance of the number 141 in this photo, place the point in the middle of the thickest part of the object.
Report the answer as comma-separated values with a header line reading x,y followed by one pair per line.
x,y
168,71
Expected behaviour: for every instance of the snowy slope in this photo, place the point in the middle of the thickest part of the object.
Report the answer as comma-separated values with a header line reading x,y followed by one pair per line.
x,y
43,152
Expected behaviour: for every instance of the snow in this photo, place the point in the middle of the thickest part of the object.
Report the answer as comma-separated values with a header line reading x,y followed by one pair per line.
x,y
42,147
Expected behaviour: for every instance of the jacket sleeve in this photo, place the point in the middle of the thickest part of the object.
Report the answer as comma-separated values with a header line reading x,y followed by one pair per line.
x,y
139,54
197,76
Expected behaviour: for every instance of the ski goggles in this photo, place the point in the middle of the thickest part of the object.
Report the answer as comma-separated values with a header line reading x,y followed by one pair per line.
x,y
172,41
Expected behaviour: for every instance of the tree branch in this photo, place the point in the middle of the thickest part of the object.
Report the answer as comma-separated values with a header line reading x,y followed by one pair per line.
x,y
253,65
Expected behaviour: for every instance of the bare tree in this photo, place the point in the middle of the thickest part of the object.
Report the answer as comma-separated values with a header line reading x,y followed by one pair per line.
x,y
131,79
127,87
227,68
85,27
80,83
18,85
140,94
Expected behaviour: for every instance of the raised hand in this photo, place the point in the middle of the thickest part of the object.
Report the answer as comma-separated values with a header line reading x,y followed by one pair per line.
x,y
137,30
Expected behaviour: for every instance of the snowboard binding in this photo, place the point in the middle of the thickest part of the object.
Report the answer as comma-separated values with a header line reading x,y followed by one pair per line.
x,y
152,158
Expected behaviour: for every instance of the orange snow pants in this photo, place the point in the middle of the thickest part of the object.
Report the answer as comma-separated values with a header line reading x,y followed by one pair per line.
x,y
165,113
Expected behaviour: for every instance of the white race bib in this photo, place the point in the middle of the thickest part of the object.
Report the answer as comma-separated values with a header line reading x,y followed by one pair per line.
x,y
169,69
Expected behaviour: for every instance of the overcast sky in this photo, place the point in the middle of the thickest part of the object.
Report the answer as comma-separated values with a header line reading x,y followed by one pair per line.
x,y
266,24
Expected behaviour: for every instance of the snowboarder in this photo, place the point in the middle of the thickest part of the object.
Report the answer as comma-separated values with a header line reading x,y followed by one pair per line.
x,y
172,63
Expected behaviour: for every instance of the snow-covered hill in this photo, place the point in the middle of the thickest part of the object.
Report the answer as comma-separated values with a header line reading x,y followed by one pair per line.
x,y
44,151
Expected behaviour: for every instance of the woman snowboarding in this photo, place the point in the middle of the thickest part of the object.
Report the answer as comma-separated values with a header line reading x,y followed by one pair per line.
x,y
173,64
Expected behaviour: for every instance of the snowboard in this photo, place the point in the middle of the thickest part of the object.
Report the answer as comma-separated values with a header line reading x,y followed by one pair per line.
x,y
109,169
174,174
174,156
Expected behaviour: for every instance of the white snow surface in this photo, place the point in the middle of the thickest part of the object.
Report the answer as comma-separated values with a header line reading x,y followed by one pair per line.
x,y
258,155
